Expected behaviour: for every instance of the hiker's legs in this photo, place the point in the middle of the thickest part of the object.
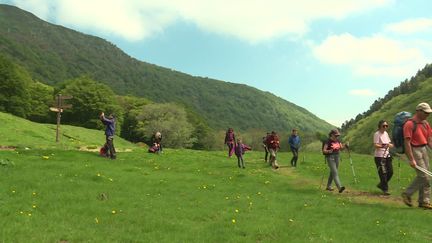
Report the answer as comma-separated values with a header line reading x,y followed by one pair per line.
x,y
266,153
273,160
421,182
238,161
111,149
382,173
333,164
230,148
295,157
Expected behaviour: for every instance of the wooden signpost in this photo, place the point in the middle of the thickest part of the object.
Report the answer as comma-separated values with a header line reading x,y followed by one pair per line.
x,y
59,107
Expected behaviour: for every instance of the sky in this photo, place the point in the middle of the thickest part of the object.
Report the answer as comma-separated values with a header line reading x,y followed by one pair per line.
x,y
332,57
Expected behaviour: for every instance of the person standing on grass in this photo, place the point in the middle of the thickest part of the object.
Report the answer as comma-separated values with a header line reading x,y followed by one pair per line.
x,y
109,134
294,143
239,151
273,146
417,137
383,160
331,150
266,150
230,141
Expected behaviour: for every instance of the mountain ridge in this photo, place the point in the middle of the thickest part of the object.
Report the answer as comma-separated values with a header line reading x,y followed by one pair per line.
x,y
53,54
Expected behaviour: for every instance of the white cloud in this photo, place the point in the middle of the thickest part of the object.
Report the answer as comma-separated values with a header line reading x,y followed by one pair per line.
x,y
362,92
252,21
371,56
410,26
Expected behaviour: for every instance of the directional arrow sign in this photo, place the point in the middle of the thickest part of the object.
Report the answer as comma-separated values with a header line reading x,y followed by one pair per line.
x,y
66,106
55,109
65,97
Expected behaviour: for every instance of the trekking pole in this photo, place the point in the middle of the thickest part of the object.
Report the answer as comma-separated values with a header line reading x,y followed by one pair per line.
x,y
352,166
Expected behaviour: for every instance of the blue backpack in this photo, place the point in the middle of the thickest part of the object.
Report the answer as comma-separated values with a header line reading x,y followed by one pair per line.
x,y
397,132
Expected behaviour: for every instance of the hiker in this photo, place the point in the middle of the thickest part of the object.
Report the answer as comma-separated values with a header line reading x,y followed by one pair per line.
x,y
273,146
383,159
155,148
230,141
331,150
157,139
266,151
109,134
294,143
417,136
239,151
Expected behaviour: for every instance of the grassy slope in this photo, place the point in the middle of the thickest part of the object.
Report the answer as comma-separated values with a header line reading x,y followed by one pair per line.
x,y
18,132
361,134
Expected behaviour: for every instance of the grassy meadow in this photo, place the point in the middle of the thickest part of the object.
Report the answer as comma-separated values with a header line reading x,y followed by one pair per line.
x,y
193,196
58,193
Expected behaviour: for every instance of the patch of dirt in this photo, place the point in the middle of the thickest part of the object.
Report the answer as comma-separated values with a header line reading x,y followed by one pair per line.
x,y
11,148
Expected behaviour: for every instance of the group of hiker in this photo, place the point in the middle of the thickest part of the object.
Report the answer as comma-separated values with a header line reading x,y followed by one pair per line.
x,y
412,134
108,150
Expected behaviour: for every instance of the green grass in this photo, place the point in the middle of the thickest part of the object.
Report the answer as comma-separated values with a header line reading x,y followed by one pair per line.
x,y
192,196
21,133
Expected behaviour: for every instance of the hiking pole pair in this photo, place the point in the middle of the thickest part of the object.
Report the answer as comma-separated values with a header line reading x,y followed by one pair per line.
x,y
352,166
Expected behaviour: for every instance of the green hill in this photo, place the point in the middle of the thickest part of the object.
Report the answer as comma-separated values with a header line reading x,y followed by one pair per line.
x,y
361,133
53,54
21,133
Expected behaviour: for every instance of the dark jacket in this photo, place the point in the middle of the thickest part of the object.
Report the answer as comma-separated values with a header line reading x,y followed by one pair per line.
x,y
110,125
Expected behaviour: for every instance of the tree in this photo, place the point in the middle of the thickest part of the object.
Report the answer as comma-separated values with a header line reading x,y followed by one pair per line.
x,y
14,88
90,98
169,119
42,96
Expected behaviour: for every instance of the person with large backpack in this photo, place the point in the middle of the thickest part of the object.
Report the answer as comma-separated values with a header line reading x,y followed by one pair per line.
x,y
331,150
230,141
294,143
382,157
157,140
273,145
417,136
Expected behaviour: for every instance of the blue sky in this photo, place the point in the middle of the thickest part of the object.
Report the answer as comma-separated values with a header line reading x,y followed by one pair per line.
x,y
332,57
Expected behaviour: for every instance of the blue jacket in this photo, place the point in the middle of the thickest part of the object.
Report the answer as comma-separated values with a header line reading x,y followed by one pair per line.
x,y
294,141
110,125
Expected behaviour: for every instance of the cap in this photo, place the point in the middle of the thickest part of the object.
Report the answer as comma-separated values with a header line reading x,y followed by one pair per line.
x,y
334,132
424,107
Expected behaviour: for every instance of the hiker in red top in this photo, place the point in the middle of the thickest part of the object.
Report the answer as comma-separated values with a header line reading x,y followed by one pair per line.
x,y
417,136
230,141
273,147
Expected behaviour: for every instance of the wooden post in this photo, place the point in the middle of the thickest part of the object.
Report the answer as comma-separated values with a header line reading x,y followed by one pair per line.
x,y
59,106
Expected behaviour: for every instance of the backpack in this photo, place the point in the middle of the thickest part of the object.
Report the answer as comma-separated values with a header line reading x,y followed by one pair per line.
x,y
397,133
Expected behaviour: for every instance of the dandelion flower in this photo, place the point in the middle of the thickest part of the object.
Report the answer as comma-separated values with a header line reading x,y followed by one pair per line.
x,y
233,221
113,212
45,157
34,206
236,210
97,220
34,193
98,174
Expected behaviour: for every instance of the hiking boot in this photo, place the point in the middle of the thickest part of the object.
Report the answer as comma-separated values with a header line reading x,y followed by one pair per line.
x,y
386,193
341,189
425,206
406,199
329,189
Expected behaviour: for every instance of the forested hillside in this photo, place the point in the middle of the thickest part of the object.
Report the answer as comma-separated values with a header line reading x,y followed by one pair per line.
x,y
53,54
360,133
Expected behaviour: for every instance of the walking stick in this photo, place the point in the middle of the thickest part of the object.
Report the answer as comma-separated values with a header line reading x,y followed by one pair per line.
x,y
352,166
